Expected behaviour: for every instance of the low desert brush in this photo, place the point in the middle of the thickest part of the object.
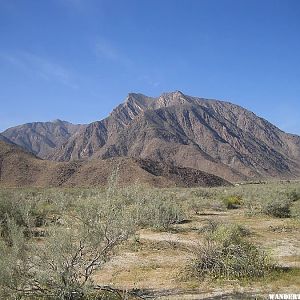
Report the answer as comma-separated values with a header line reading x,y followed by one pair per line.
x,y
233,201
226,254
280,208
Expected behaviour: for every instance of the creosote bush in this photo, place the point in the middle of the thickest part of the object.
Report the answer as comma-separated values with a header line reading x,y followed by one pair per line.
x,y
278,208
226,254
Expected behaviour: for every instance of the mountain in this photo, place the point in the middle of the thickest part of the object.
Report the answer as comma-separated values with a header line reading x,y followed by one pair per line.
x,y
41,138
19,168
5,139
175,129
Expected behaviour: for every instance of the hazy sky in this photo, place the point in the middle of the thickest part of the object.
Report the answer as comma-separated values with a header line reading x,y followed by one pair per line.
x,y
77,59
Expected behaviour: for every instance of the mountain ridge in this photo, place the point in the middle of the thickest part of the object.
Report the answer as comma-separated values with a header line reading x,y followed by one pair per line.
x,y
41,138
214,136
227,140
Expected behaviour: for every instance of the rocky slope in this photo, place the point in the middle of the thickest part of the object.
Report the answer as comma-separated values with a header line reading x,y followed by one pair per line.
x,y
19,168
4,139
41,138
209,135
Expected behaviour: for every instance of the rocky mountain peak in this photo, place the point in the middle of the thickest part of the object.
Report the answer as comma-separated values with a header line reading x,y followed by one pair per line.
x,y
172,98
60,122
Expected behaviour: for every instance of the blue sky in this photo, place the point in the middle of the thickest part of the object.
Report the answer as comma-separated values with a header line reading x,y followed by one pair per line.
x,y
77,59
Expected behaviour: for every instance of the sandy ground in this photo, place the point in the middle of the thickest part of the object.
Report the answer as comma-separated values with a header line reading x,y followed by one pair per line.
x,y
155,262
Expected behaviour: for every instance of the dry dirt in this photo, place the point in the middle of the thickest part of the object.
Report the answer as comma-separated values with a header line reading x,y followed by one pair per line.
x,y
155,262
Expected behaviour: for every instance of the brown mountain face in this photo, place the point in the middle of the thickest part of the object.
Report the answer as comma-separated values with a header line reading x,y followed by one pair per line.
x,y
179,130
103,133
19,168
41,138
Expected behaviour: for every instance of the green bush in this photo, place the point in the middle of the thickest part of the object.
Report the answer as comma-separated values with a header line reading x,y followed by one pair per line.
x,y
278,208
13,209
226,254
233,201
158,211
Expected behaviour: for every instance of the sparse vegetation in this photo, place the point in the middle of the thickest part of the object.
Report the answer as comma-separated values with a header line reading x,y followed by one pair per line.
x,y
158,211
227,254
54,241
294,195
233,201
278,208
60,266
78,237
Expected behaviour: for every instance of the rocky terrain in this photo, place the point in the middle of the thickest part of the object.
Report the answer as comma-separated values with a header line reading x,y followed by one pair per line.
x,y
213,136
19,168
41,138
4,139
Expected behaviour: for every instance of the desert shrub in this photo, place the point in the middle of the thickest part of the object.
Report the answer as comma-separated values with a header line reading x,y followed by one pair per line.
x,y
27,209
199,200
293,195
232,202
156,210
199,205
166,214
203,193
13,209
42,211
14,264
152,208
278,208
210,226
226,254
60,267
196,205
